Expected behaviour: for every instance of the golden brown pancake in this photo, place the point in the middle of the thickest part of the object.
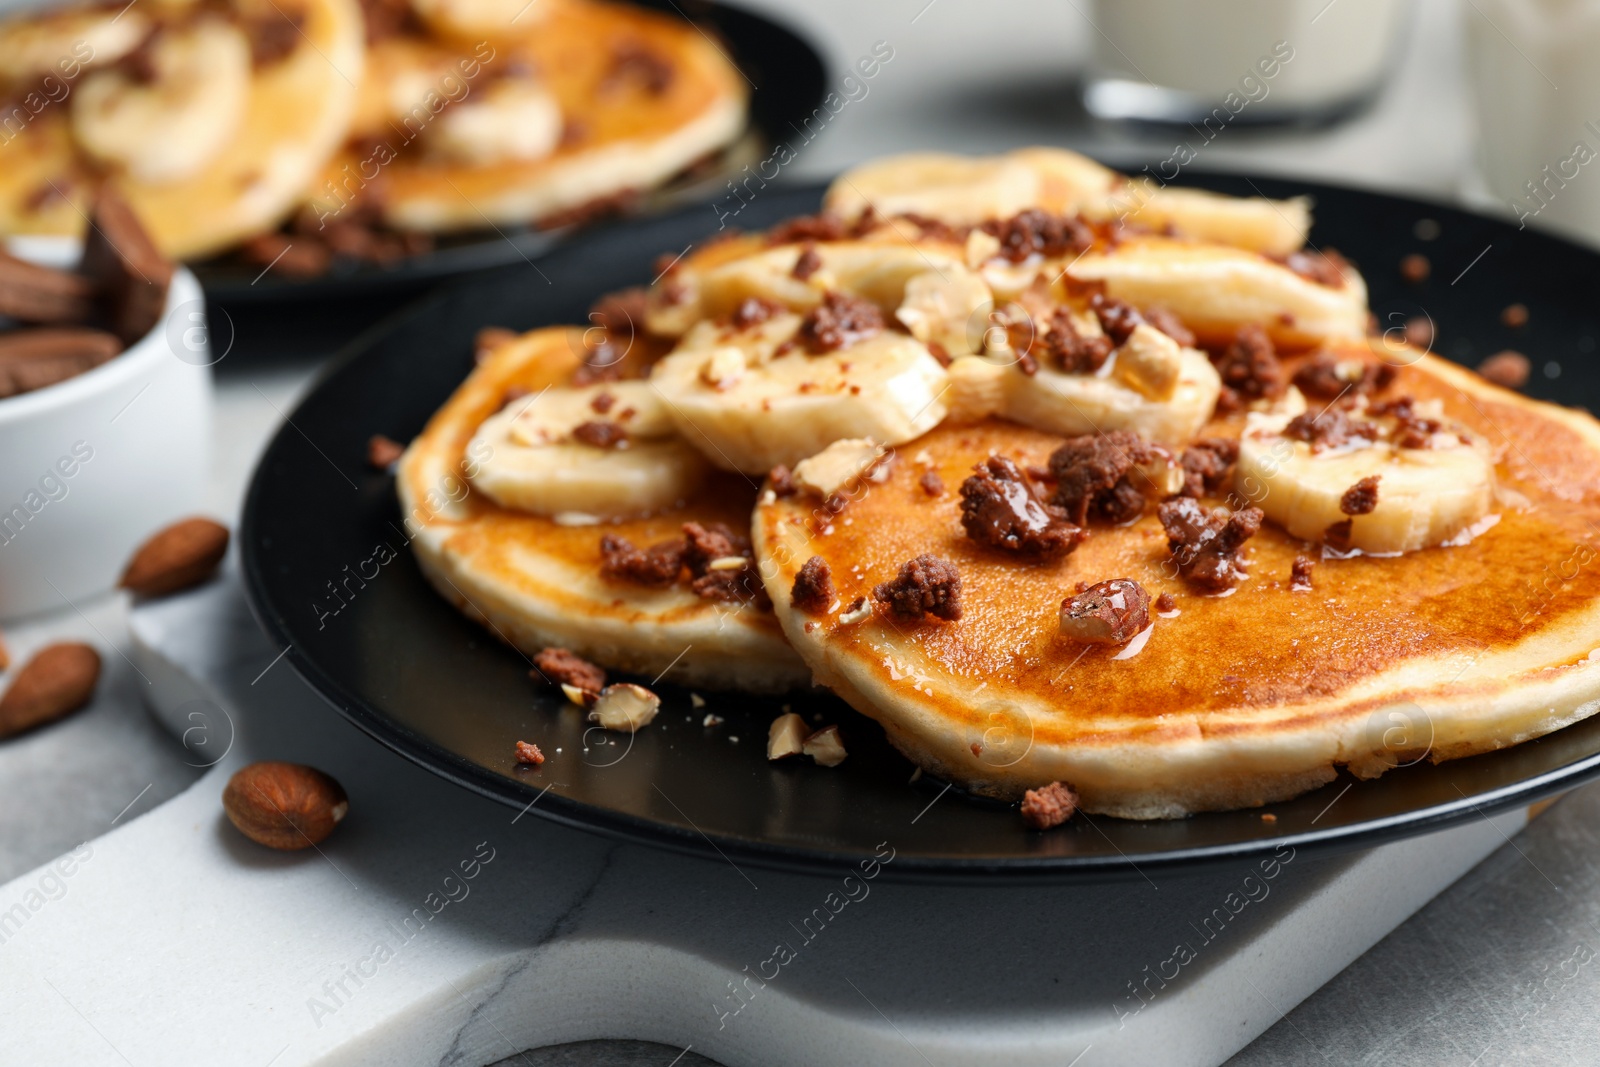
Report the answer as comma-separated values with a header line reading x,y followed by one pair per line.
x,y
535,583
1241,699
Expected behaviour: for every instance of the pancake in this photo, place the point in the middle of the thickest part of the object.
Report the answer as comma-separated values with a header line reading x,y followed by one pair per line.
x,y
1240,699
536,583
294,116
622,134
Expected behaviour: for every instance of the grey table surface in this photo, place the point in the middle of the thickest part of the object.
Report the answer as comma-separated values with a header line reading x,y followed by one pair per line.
x,y
1491,972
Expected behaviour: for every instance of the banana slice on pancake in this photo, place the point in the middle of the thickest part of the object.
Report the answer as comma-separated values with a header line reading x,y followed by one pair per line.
x,y
479,20
206,153
960,190
1271,227
535,582
1223,701
1387,478
1216,290
754,397
585,453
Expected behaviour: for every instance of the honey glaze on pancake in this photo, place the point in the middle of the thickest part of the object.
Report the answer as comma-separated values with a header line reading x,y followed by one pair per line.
x,y
510,553
1224,660
574,51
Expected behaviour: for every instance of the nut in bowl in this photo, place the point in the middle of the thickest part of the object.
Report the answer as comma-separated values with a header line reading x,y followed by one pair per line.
x,y
105,409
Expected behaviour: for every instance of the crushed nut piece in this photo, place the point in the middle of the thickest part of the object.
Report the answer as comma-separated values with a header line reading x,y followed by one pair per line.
x,y
581,697
786,736
1107,613
711,720
841,466
1048,806
859,609
625,707
825,746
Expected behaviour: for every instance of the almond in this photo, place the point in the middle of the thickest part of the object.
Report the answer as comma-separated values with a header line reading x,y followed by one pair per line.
x,y
184,554
57,681
284,805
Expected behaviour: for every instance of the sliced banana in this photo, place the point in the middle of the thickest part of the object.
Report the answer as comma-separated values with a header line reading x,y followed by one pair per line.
x,y
750,405
873,270
536,463
1425,496
1073,404
170,129
477,19
64,41
513,119
959,190
1274,227
1069,183
1216,289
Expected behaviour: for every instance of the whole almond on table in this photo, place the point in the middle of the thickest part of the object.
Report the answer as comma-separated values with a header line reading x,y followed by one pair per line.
x,y
182,555
57,681
285,806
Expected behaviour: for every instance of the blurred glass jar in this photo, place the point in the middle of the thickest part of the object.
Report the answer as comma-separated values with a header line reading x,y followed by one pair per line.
x,y
1260,61
1537,90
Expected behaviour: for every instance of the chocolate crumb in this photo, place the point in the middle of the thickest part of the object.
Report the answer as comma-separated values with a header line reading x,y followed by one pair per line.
x,y
1118,318
931,483
1324,268
1509,369
752,311
655,566
1034,231
1300,574
807,263
1206,546
1329,428
1095,476
1208,466
560,666
1515,316
1361,498
598,433
602,403
382,452
529,754
813,590
1415,268
1337,535
926,585
1250,369
1166,602
1169,323
999,508
1420,332
1323,378
839,321
782,480
1048,806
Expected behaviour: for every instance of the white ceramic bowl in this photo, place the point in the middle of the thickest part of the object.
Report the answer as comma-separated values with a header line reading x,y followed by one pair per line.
x,y
93,465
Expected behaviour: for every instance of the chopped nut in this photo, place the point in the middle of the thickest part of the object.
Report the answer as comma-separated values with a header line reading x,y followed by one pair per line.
x,y
723,368
382,452
625,707
1415,268
1514,316
1508,369
1107,613
728,563
838,466
578,695
825,746
926,585
1267,816
1049,805
786,736
1149,362
859,609
711,720
529,754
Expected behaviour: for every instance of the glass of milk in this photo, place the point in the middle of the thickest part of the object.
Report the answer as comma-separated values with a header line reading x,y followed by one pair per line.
x,y
1536,83
1240,61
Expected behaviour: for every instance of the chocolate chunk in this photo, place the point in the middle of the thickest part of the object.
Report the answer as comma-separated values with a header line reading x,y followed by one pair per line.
x,y
621,314
1324,378
1118,318
709,542
597,433
1106,613
813,590
1361,498
1514,316
1337,535
931,483
1507,369
1206,545
713,542
602,362
1415,268
782,481
657,565
559,666
821,227
1071,351
1048,806
1324,268
1411,430
1034,231
752,311
1095,476
840,320
1208,466
1249,369
1000,509
30,292
383,452
926,585
1329,428
33,359
807,263
1165,602
602,402
1300,574
123,263
1169,323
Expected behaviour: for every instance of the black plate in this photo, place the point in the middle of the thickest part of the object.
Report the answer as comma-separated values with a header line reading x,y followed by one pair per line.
x,y
410,670
787,81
